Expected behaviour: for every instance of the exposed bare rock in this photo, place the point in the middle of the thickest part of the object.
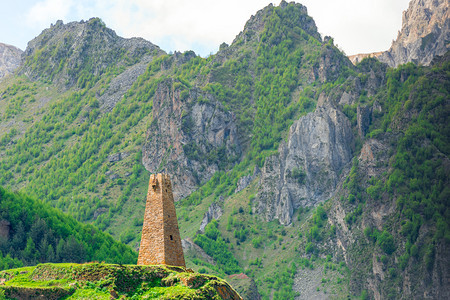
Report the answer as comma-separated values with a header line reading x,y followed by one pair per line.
x,y
191,136
347,99
425,34
373,157
357,58
245,285
99,211
363,118
215,211
189,246
245,181
118,156
308,166
9,59
330,63
307,282
121,84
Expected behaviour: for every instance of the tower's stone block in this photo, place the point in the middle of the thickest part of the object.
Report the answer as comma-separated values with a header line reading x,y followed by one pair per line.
x,y
160,242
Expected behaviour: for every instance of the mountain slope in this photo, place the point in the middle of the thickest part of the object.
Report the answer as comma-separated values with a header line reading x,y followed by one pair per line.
x,y
81,52
317,171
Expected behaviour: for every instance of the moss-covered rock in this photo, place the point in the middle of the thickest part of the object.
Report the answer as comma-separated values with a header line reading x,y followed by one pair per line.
x,y
108,281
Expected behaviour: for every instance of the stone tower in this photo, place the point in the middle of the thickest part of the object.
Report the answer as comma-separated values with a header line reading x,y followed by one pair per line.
x,y
160,242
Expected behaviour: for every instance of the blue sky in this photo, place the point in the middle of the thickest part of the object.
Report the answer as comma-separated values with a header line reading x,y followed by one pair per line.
x,y
357,26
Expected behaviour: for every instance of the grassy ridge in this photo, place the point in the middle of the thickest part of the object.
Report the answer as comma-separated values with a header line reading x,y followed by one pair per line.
x,y
103,281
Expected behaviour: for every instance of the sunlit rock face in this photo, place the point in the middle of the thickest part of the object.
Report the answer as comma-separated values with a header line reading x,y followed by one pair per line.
x,y
425,34
9,59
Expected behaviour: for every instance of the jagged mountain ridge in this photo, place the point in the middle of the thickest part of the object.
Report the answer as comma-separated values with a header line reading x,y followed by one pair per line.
x,y
196,162
425,33
77,49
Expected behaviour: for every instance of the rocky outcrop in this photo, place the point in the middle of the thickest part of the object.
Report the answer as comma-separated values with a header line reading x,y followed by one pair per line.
x,y
330,64
308,166
121,84
357,58
191,249
191,136
118,156
425,34
245,181
10,57
246,286
74,53
363,118
215,211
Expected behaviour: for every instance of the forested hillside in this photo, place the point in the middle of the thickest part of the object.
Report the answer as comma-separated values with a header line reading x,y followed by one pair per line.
x,y
325,179
33,232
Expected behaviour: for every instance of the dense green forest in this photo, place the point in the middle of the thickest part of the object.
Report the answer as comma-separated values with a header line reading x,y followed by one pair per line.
x,y
36,233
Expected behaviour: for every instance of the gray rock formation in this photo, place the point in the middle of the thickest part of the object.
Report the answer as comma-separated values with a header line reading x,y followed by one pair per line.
x,y
121,84
363,118
215,211
357,58
193,250
191,136
118,156
10,58
330,64
425,34
308,166
245,181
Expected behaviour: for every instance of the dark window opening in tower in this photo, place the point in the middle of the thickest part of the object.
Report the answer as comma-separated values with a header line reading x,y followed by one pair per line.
x,y
171,238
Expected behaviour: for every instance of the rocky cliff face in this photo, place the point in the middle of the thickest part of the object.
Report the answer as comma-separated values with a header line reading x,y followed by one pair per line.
x,y
425,34
82,49
215,211
308,166
9,59
189,136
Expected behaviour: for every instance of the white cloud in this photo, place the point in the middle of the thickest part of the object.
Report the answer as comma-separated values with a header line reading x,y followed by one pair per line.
x,y
181,24
45,12
202,25
358,26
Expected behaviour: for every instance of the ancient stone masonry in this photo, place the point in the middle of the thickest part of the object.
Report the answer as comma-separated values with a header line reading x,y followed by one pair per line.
x,y
160,242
